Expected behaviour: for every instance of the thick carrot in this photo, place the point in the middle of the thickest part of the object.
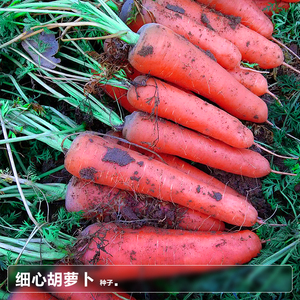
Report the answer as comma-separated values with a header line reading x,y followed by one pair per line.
x,y
254,47
157,246
250,15
164,136
112,204
92,158
227,54
178,164
160,98
268,6
159,52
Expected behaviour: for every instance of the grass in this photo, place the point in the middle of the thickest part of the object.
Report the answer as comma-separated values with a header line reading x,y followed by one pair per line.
x,y
42,106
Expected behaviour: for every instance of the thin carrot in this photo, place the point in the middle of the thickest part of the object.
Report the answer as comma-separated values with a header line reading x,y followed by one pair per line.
x,y
164,100
254,47
226,54
254,81
164,136
112,204
250,15
92,158
157,246
159,51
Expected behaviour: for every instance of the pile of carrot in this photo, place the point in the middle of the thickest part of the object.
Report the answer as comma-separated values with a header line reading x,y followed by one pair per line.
x,y
189,105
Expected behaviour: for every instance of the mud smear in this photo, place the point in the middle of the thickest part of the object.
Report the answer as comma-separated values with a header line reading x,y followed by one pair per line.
x,y
118,156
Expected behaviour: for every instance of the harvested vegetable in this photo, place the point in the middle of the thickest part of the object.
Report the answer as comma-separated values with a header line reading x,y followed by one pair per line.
x,y
112,165
164,136
157,246
112,204
164,100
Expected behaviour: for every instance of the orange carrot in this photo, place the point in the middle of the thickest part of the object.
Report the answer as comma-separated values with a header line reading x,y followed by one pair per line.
x,y
164,136
112,204
250,15
160,98
254,81
226,54
92,158
157,246
176,163
188,169
266,5
192,70
254,47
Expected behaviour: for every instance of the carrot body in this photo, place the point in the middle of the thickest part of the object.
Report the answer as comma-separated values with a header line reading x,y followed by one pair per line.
x,y
254,47
92,158
254,81
159,53
227,54
166,101
188,169
157,246
166,137
251,16
178,164
266,5
111,204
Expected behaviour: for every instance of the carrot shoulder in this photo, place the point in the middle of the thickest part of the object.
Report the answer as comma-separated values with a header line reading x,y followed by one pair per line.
x,y
92,158
251,16
167,55
164,136
164,100
157,246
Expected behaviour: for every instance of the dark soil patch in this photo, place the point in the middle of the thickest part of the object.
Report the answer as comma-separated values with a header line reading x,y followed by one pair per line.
x,y
145,51
118,156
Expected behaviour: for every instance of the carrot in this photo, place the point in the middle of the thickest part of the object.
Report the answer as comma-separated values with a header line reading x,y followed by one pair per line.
x,y
254,81
176,163
160,98
157,246
92,158
188,169
159,52
268,6
254,47
250,15
112,204
227,55
166,137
